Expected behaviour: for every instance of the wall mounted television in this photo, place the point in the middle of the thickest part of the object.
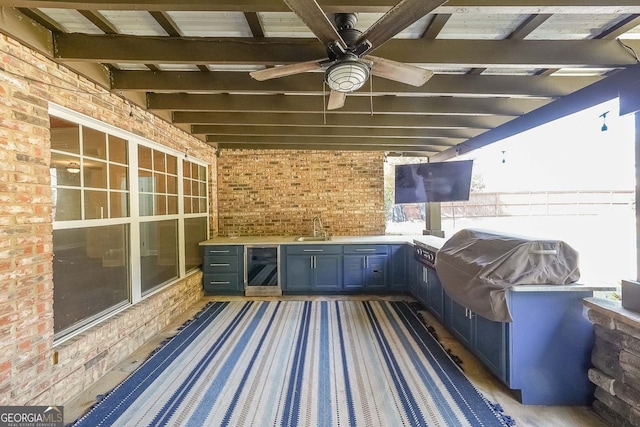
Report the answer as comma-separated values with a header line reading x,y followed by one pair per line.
x,y
433,182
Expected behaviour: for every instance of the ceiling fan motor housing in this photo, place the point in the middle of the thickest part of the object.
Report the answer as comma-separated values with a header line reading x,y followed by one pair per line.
x,y
348,73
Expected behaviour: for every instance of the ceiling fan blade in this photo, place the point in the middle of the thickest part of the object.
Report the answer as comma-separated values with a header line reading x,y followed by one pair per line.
x,y
397,19
317,21
286,70
336,100
399,71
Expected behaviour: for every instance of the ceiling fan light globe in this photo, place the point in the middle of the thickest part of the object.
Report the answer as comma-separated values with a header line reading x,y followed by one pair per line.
x,y
347,76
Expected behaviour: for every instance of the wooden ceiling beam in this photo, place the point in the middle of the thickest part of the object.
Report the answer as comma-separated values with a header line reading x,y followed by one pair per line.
x,y
322,140
330,131
340,120
312,83
113,48
426,151
354,104
332,6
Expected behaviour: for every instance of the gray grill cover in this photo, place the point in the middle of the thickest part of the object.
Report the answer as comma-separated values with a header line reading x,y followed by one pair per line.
x,y
476,266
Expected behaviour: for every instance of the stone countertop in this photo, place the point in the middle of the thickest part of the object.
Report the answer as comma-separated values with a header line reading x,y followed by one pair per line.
x,y
335,240
614,309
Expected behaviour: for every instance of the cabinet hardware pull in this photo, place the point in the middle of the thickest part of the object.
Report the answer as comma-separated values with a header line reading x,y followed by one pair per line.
x,y
219,265
365,250
219,283
218,252
313,250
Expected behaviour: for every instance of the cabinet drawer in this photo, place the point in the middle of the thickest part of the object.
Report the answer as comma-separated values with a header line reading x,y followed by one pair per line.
x,y
213,282
211,250
313,249
366,249
220,264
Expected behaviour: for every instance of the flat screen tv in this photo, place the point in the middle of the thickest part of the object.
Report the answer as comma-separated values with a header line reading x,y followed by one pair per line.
x,y
433,182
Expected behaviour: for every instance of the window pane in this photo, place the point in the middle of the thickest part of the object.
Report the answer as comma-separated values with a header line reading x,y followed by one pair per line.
x,y
66,204
186,184
195,231
194,188
187,205
119,204
95,205
144,157
118,177
159,161
145,181
90,272
95,174
158,253
172,184
60,174
65,136
161,205
94,143
203,205
203,189
146,204
186,169
161,182
117,150
172,205
172,165
202,175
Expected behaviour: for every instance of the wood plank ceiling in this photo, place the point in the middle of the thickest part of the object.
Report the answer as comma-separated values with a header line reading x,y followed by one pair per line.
x,y
501,66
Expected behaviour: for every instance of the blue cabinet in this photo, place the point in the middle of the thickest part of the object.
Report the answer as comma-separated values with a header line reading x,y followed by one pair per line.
x,y
312,268
429,290
400,271
223,270
485,338
365,267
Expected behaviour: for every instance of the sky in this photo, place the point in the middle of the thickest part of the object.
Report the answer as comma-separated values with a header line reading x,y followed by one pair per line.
x,y
571,153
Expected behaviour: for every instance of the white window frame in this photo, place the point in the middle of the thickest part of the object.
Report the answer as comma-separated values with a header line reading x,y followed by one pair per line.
x,y
134,219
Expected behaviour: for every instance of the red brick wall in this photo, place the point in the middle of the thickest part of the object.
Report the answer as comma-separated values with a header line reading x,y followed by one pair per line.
x,y
28,374
278,192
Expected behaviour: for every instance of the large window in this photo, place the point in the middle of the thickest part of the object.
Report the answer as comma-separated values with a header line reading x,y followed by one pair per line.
x,y
128,217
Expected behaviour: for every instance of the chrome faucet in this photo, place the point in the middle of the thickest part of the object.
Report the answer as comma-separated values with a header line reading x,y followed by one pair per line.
x,y
315,231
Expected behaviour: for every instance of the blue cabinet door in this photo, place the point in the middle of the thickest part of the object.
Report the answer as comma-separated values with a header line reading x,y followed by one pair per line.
x,y
399,273
365,272
491,345
327,273
376,272
461,324
298,273
354,272
436,294
422,285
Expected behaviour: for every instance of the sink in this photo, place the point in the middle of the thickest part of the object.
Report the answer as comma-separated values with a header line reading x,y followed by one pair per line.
x,y
312,238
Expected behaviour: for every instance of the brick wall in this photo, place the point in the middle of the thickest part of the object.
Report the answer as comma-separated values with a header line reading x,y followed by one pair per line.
x,y
278,192
28,375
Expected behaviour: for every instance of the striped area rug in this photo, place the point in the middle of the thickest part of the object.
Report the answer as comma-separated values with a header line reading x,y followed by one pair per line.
x,y
298,363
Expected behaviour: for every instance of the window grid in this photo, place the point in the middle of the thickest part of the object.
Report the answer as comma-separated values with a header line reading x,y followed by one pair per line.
x,y
121,175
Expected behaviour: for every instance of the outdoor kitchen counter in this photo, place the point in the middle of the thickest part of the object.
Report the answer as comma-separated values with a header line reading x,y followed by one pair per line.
x,y
430,242
335,240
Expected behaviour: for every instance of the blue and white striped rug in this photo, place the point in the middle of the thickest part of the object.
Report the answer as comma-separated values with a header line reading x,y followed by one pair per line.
x,y
299,363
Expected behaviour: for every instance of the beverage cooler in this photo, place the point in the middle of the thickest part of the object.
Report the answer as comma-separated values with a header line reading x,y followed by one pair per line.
x,y
262,271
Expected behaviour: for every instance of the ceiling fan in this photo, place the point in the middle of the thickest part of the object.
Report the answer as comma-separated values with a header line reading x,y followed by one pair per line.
x,y
348,65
